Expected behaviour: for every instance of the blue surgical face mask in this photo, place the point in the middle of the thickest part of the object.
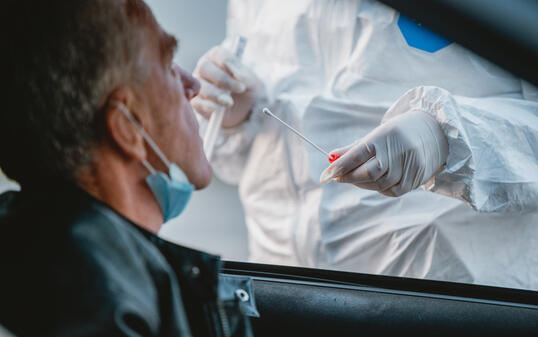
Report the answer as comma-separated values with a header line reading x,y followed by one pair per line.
x,y
173,190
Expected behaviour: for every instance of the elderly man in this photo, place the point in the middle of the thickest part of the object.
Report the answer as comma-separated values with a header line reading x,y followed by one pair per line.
x,y
99,132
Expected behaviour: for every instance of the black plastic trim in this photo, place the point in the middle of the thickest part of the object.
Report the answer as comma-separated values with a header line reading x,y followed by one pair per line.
x,y
384,283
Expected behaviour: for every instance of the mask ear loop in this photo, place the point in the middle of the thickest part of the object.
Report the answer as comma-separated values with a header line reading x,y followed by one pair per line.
x,y
148,167
146,137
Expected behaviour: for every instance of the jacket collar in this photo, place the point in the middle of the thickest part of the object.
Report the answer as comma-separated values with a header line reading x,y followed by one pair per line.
x,y
196,271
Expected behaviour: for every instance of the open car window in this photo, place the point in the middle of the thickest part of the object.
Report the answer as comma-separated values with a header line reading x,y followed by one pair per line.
x,y
294,221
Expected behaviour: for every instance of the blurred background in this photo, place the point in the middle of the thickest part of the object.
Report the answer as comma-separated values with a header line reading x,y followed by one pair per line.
x,y
213,220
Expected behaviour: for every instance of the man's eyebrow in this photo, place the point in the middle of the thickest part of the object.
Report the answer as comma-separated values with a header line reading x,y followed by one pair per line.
x,y
169,45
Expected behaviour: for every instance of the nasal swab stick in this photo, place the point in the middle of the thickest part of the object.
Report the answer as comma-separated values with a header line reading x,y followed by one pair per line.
x,y
332,157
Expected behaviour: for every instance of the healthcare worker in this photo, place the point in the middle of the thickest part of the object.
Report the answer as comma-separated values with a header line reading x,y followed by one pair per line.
x,y
414,106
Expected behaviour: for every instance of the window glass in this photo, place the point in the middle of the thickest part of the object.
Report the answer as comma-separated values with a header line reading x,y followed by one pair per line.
x,y
332,70
213,220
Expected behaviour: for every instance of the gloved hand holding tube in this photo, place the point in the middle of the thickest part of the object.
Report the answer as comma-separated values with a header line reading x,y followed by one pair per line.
x,y
396,157
228,92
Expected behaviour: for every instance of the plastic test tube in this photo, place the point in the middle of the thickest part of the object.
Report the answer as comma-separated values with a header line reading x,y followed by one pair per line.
x,y
215,121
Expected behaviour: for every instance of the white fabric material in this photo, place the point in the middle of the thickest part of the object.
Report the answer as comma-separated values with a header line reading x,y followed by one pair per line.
x,y
7,184
493,162
332,69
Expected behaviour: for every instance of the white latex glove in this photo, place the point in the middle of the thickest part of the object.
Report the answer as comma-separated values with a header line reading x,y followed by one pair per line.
x,y
225,82
396,157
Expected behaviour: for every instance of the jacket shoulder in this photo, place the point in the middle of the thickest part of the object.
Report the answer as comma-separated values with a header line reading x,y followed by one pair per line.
x,y
86,270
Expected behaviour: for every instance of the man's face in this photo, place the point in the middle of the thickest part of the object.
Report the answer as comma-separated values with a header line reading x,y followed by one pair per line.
x,y
172,123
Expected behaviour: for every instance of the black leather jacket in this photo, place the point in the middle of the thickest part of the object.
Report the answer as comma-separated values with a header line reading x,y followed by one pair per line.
x,y
72,266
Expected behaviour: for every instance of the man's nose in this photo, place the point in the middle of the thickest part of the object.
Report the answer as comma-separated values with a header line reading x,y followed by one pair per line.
x,y
190,84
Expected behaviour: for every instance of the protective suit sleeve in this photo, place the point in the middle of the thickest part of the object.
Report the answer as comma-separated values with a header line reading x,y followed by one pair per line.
x,y
233,145
492,158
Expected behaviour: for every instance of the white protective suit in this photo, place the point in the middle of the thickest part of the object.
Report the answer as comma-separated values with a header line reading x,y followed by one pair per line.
x,y
332,69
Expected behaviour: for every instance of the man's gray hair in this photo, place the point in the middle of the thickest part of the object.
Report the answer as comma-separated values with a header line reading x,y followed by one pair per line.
x,y
63,58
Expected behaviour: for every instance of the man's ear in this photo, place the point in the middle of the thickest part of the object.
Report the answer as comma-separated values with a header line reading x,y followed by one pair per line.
x,y
122,131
